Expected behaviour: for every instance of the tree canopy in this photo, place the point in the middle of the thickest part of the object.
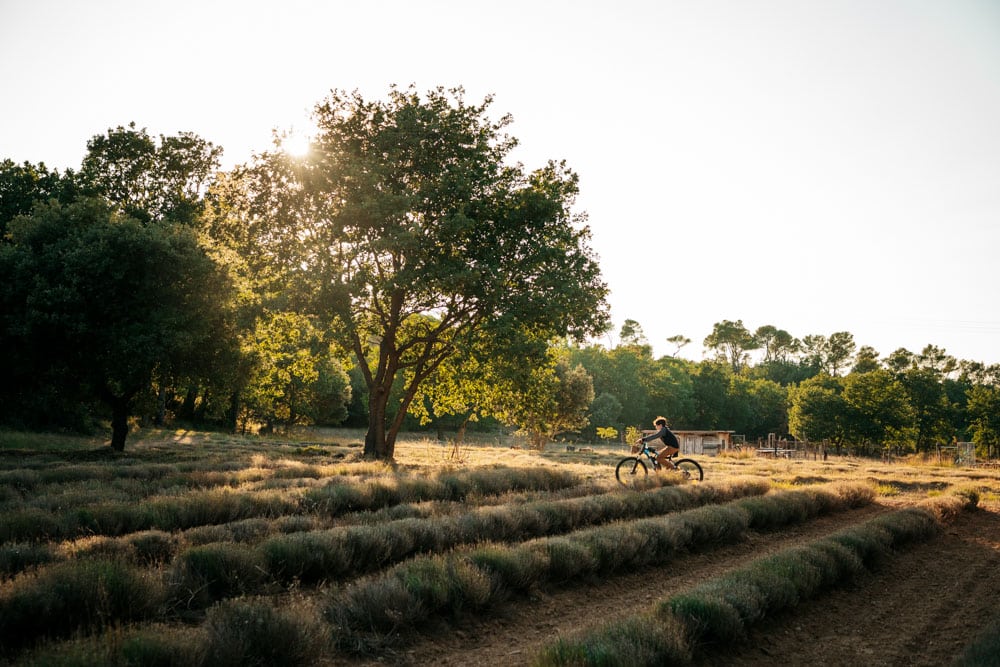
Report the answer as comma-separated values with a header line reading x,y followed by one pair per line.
x,y
96,303
407,225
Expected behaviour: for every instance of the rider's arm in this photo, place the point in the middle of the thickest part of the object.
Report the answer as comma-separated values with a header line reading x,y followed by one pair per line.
x,y
654,436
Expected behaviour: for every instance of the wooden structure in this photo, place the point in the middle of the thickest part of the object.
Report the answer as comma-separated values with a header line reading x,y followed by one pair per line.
x,y
707,443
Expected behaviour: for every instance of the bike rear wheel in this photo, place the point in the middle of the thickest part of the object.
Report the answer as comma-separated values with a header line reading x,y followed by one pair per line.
x,y
689,469
630,470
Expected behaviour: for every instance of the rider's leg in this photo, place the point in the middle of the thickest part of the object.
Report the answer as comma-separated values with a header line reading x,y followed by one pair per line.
x,y
661,456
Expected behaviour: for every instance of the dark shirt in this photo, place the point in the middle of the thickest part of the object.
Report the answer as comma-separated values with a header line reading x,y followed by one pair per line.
x,y
664,434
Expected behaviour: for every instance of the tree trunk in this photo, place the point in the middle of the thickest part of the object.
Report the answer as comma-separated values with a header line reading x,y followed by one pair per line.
x,y
375,442
119,423
460,434
186,411
232,414
161,407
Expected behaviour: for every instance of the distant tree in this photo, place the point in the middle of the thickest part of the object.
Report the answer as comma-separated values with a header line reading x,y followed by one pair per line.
x,y
984,417
605,411
813,352
679,341
710,395
150,180
766,406
95,300
778,344
731,341
878,412
296,379
24,185
607,433
670,390
817,410
938,361
621,372
560,406
900,360
866,360
932,411
632,334
839,352
830,355
409,208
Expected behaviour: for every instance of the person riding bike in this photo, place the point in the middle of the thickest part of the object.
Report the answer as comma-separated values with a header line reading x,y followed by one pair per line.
x,y
671,445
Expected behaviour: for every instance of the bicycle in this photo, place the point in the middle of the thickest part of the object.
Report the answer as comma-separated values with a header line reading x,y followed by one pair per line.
x,y
632,468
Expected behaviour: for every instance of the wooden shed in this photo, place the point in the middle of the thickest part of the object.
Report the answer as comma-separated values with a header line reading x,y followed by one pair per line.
x,y
708,443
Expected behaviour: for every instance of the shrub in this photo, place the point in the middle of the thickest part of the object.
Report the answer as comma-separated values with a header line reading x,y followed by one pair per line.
x,y
567,559
641,640
74,596
254,632
309,557
153,547
19,556
29,523
156,645
203,575
363,617
984,650
511,569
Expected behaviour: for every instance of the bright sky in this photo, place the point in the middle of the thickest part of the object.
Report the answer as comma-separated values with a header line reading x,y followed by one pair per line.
x,y
818,165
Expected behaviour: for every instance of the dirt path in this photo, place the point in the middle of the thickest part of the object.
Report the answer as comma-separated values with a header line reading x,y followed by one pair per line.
x,y
515,634
922,609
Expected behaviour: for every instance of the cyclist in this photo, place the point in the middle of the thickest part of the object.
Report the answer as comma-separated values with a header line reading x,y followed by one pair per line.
x,y
671,445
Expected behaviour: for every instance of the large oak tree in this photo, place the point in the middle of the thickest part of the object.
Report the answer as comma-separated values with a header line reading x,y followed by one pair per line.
x,y
410,227
95,302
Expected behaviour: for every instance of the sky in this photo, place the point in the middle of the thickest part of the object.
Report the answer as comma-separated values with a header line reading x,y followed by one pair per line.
x,y
815,165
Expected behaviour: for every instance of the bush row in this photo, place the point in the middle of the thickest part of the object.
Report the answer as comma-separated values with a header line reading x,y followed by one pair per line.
x,y
338,498
224,505
373,611
722,610
344,552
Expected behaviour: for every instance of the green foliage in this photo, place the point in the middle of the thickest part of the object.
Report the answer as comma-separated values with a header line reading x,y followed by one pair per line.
x,y
19,556
146,179
731,342
984,418
203,575
721,611
607,433
638,640
296,378
108,301
430,240
559,404
816,409
255,632
75,596
24,185
370,612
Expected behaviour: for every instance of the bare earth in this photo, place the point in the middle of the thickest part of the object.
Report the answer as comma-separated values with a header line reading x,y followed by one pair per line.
x,y
922,608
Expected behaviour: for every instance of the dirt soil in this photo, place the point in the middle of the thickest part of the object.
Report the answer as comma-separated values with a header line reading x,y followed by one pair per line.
x,y
922,608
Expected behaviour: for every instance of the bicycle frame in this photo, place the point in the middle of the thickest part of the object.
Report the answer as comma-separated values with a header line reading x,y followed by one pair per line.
x,y
651,455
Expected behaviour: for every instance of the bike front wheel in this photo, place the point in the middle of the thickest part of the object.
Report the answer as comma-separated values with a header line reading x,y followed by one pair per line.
x,y
630,470
689,469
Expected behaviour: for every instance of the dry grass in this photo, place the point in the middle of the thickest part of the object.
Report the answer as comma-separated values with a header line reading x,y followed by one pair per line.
x,y
182,522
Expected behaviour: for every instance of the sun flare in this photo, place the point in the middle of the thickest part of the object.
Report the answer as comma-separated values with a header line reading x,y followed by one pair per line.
x,y
295,144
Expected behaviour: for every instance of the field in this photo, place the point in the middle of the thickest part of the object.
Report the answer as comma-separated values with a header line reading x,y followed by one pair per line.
x,y
201,548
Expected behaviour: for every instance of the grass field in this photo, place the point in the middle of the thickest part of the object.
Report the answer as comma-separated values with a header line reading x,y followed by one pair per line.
x,y
207,548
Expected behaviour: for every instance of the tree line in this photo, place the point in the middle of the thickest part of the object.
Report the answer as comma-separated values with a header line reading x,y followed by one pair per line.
x,y
818,387
333,286
401,274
